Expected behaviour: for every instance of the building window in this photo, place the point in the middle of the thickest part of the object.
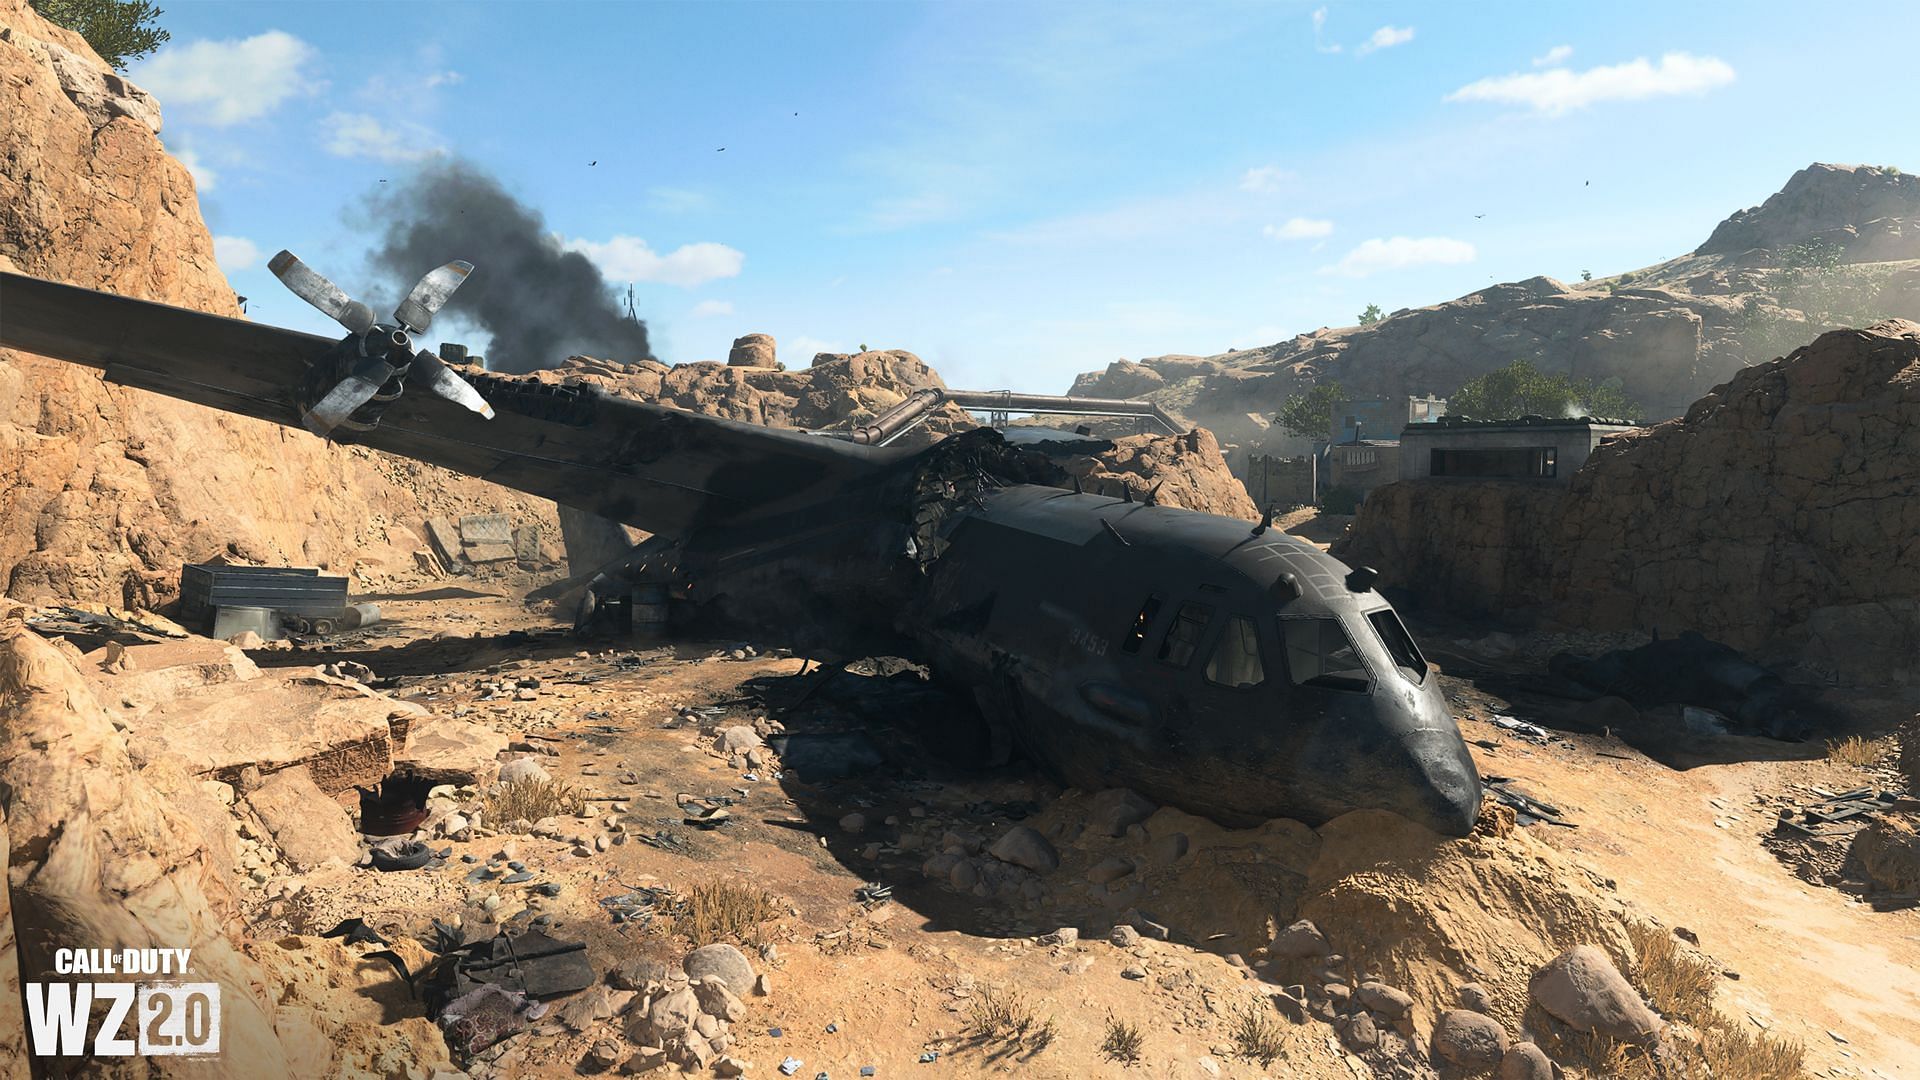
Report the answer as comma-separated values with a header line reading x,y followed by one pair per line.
x,y
1183,637
1494,462
1319,653
1399,643
1236,659
1137,635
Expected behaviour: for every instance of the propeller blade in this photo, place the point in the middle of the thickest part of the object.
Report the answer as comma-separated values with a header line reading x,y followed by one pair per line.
x,y
444,381
417,310
308,284
347,395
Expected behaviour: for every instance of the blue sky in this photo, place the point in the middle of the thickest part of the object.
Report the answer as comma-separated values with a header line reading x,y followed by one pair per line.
x,y
1019,192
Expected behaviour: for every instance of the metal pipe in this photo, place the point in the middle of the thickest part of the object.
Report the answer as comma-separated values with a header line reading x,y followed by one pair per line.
x,y
902,417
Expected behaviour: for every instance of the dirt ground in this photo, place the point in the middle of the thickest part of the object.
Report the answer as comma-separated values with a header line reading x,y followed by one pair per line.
x,y
879,985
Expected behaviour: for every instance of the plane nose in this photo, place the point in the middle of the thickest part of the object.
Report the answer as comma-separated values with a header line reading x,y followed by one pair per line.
x,y
1447,797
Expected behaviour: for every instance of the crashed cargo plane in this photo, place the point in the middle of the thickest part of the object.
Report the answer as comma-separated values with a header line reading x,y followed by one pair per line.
x,y
1231,671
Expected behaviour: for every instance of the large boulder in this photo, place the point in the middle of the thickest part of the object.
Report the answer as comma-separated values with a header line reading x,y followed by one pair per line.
x,y
723,962
1111,811
1582,988
752,350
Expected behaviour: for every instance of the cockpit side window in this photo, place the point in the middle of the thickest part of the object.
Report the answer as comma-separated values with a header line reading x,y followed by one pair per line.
x,y
1319,653
1236,659
1399,643
1137,634
1183,637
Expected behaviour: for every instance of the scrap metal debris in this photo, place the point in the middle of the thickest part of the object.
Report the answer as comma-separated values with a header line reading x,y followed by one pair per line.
x,y
1837,814
1527,810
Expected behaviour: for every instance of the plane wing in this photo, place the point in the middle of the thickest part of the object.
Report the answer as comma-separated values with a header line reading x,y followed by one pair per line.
x,y
657,468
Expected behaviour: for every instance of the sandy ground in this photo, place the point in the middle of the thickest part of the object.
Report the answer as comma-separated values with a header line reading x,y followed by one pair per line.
x,y
898,979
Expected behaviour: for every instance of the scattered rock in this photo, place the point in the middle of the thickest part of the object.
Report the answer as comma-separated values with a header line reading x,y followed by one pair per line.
x,y
601,1056
1300,941
648,1059
1066,935
1111,811
1475,997
1525,1061
640,973
1470,1040
1359,1033
717,999
1583,988
1111,868
854,823
1022,846
525,769
737,739
1170,848
723,962
1389,1002
1124,936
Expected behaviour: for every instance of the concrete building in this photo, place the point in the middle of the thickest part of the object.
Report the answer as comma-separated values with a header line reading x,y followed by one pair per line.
x,y
1380,418
1359,467
1530,448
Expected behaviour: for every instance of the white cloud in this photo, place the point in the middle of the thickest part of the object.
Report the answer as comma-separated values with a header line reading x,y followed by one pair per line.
x,y
1319,25
707,309
1298,228
1553,56
1264,178
628,258
203,174
360,135
1385,38
445,78
235,253
1559,90
226,82
1399,253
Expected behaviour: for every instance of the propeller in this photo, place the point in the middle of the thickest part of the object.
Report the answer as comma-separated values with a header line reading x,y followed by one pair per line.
x,y
386,350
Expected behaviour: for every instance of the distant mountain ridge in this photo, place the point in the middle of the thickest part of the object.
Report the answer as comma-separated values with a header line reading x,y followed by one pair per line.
x,y
1838,243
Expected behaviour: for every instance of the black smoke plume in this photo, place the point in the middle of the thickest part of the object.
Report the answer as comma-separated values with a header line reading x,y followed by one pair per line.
x,y
541,304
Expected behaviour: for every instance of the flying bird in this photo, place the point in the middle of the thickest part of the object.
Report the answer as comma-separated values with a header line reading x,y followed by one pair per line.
x,y
721,150
1477,217
592,163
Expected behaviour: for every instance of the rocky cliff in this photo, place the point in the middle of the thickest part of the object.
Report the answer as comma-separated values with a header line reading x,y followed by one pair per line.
x,y
1781,514
105,490
1868,214
1664,335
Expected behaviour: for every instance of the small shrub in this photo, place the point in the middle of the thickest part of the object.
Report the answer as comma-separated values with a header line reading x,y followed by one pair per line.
x,y
1853,750
724,911
1123,1041
532,800
1731,1050
1258,1036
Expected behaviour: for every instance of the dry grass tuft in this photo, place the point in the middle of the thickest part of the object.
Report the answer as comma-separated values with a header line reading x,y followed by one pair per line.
x,y
1123,1041
531,800
1258,1036
724,911
1853,750
1004,1015
1677,983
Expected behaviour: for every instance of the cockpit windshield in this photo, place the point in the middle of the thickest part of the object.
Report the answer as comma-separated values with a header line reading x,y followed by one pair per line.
x,y
1399,643
1319,653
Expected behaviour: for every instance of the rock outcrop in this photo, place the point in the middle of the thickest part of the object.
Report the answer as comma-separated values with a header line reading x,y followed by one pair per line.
x,y
1781,514
834,394
1171,470
102,850
105,490
1868,214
